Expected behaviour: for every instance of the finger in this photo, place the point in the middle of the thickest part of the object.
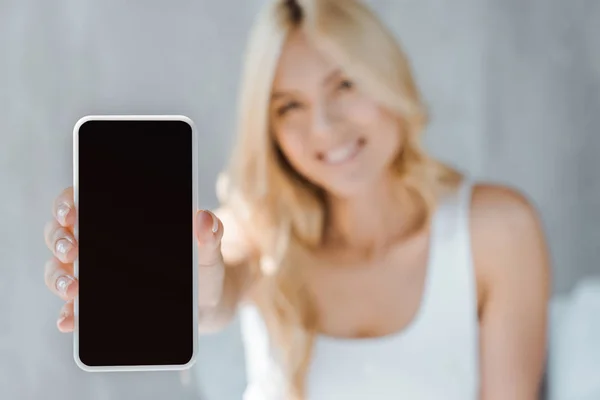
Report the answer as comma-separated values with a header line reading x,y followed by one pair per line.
x,y
63,208
209,231
66,319
60,280
60,241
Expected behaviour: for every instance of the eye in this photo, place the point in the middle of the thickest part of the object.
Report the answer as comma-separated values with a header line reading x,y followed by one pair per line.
x,y
346,84
287,107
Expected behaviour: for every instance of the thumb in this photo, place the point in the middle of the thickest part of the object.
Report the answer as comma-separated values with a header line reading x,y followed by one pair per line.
x,y
209,231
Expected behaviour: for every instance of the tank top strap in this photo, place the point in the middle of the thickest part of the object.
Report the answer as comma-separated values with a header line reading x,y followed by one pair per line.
x,y
464,195
451,273
450,227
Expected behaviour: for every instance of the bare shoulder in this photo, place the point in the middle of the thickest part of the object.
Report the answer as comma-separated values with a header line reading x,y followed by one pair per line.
x,y
507,237
512,268
500,207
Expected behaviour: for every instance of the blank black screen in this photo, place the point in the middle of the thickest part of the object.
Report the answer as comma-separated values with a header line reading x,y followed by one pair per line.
x,y
135,227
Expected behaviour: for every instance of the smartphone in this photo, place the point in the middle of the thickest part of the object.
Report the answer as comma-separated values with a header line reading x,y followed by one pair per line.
x,y
135,192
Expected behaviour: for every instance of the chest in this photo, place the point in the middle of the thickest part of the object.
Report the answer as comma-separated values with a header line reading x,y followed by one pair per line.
x,y
369,298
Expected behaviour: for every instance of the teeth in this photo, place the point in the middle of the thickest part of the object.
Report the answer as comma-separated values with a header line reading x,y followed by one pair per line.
x,y
341,154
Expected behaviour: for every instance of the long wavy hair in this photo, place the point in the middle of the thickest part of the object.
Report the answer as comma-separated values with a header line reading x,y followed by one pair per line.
x,y
283,213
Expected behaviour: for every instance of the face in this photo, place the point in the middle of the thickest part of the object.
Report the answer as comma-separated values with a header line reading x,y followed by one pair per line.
x,y
329,130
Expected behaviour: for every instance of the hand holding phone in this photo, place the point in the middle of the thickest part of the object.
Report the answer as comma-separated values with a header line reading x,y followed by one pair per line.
x,y
125,245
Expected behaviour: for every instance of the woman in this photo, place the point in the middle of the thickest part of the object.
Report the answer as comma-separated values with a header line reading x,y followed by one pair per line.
x,y
365,268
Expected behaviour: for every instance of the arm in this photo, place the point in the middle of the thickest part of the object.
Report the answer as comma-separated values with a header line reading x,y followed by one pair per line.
x,y
223,271
512,265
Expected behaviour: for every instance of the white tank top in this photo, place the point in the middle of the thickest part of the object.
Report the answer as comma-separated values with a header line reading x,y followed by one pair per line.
x,y
435,357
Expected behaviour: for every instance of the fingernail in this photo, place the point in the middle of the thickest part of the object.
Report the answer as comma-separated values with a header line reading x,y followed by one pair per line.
x,y
215,222
63,283
61,212
64,313
63,246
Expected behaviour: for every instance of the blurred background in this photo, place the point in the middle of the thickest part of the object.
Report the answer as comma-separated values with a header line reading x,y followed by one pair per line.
x,y
514,92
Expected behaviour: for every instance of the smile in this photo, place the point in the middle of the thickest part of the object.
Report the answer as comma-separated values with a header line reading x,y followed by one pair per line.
x,y
342,154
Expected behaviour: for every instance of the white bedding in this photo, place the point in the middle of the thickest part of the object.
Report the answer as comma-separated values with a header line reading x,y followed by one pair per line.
x,y
574,344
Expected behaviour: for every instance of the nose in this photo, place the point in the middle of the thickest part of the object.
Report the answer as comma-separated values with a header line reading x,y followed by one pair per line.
x,y
323,123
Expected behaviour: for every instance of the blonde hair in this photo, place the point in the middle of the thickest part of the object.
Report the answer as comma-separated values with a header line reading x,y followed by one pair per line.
x,y
284,214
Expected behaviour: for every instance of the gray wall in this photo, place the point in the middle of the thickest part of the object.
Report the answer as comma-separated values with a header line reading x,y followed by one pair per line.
x,y
513,86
